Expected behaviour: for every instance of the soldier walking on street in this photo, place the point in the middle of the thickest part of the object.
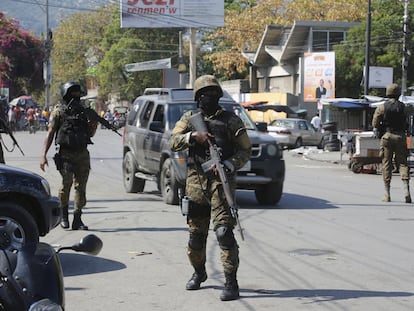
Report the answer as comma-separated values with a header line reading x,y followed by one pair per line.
x,y
72,126
391,120
204,188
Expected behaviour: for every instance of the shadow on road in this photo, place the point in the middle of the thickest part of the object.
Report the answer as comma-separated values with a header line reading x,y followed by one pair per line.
x,y
247,200
80,264
320,295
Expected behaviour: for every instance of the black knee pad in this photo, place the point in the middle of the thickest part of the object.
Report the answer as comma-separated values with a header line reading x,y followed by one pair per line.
x,y
197,241
225,237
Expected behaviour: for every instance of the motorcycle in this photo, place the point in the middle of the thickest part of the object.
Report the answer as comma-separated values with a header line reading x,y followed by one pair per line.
x,y
31,279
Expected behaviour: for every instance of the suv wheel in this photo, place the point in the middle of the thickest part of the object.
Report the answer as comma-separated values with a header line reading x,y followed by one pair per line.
x,y
17,227
168,183
269,194
132,184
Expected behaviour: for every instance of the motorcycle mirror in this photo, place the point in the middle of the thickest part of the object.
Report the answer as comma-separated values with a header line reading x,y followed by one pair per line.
x,y
89,244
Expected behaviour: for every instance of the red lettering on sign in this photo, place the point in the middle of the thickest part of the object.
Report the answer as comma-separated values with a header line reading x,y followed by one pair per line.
x,y
150,2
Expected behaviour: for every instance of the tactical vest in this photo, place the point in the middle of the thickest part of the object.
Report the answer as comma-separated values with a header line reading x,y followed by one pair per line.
x,y
222,138
73,131
394,116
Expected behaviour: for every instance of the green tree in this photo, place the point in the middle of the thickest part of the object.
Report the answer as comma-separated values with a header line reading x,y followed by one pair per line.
x,y
133,45
21,59
385,49
76,37
245,23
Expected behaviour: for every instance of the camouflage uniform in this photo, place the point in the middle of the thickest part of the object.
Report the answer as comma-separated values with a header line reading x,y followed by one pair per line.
x,y
393,145
75,168
206,192
1,153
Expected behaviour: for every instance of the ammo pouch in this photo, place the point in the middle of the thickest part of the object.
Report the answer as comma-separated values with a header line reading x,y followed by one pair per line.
x,y
58,161
185,205
192,209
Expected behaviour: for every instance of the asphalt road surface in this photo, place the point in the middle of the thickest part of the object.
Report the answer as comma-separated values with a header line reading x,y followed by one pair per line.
x,y
330,244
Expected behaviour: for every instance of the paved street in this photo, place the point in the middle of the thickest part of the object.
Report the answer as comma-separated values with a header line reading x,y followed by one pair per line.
x,y
331,244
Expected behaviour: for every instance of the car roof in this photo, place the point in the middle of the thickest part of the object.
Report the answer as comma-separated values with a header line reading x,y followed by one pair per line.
x,y
177,95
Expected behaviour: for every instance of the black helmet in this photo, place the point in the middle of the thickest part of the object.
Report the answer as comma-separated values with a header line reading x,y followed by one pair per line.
x,y
206,81
68,87
393,91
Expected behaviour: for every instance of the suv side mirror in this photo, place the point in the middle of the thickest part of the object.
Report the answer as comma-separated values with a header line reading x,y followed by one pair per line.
x,y
261,126
157,126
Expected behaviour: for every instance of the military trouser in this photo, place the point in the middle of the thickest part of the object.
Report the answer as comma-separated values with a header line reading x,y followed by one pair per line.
x,y
75,170
207,193
1,153
394,145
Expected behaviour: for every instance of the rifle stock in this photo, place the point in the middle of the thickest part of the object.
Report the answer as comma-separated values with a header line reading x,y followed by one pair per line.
x,y
10,133
198,123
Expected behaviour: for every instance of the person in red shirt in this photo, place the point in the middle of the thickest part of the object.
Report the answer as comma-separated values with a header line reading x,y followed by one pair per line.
x,y
31,116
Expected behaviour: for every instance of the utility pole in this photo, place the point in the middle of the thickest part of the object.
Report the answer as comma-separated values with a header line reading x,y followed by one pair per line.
x,y
46,64
406,48
193,56
367,49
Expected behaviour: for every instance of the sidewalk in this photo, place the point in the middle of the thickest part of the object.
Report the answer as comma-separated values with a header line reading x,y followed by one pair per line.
x,y
312,153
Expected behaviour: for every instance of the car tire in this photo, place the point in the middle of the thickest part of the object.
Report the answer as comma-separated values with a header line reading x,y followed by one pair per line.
x,y
17,227
168,183
356,167
269,194
298,143
132,184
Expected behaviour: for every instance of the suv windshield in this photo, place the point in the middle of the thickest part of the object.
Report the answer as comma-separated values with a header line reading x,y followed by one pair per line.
x,y
175,112
241,113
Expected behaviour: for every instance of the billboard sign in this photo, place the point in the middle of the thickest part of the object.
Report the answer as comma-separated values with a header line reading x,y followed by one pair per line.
x,y
319,76
149,65
171,13
380,77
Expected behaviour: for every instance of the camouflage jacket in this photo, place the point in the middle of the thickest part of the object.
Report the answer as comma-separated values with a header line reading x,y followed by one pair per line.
x,y
180,139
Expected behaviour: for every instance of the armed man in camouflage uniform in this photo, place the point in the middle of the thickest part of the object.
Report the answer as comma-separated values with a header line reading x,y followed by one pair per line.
x,y
204,189
72,125
391,119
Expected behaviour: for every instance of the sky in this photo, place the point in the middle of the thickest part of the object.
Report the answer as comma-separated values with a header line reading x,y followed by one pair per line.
x,y
32,13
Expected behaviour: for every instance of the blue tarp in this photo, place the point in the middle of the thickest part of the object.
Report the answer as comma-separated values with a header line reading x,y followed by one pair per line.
x,y
351,105
347,103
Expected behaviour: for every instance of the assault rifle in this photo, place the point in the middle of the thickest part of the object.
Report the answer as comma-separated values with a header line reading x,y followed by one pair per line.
x,y
91,115
6,129
198,123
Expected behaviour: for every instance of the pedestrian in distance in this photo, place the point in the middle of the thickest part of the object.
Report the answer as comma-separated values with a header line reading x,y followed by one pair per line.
x,y
391,123
71,125
316,122
204,190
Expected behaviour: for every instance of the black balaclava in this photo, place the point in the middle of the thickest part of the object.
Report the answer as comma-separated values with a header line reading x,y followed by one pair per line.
x,y
208,103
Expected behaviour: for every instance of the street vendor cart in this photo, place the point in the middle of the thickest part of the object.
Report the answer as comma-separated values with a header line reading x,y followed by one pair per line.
x,y
366,157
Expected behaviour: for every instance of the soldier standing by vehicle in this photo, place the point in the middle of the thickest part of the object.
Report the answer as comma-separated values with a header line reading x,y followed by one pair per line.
x,y
204,189
72,125
391,120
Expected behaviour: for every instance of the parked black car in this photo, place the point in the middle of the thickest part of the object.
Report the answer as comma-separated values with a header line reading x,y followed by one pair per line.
x,y
27,210
146,153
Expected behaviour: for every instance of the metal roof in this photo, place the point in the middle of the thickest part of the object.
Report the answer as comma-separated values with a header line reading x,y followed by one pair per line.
x,y
275,45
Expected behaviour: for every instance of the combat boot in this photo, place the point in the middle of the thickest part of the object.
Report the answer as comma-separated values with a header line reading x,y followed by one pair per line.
x,y
407,195
77,223
231,288
198,277
64,223
387,196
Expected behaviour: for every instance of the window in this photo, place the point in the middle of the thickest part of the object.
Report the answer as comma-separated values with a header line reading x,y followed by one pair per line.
x,y
147,114
302,125
323,41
